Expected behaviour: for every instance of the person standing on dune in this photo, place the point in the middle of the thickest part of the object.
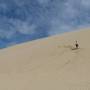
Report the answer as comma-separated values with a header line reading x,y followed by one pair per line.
x,y
77,45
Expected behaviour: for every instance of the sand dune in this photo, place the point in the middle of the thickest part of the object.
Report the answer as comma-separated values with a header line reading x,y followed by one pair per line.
x,y
47,64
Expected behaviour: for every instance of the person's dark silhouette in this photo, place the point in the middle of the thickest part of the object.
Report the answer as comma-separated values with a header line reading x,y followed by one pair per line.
x,y
77,45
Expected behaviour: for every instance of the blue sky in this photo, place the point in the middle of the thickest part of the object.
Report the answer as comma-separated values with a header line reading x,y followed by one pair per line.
x,y
26,20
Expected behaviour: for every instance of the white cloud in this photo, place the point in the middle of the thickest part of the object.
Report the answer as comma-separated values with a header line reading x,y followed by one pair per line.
x,y
64,21
59,27
13,26
69,11
69,16
85,3
25,28
60,15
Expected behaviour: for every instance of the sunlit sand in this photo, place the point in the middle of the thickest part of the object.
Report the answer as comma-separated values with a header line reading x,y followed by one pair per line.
x,y
48,64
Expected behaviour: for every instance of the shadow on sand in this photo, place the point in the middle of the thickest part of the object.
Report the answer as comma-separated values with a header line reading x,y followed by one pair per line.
x,y
74,48
69,47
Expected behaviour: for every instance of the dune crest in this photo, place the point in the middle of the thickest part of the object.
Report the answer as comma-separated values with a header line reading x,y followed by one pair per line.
x,y
47,64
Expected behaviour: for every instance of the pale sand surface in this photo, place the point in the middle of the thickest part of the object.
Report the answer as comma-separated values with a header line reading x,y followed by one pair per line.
x,y
47,64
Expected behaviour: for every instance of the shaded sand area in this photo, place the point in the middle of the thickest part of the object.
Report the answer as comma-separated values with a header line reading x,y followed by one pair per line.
x,y
47,64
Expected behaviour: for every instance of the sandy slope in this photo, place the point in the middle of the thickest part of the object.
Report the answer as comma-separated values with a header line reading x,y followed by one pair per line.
x,y
47,64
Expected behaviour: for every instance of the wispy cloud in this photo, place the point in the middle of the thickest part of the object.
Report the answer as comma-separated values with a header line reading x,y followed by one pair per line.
x,y
59,27
74,14
85,3
33,19
24,27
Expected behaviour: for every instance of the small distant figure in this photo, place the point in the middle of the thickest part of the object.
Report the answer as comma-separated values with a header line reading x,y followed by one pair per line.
x,y
77,45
